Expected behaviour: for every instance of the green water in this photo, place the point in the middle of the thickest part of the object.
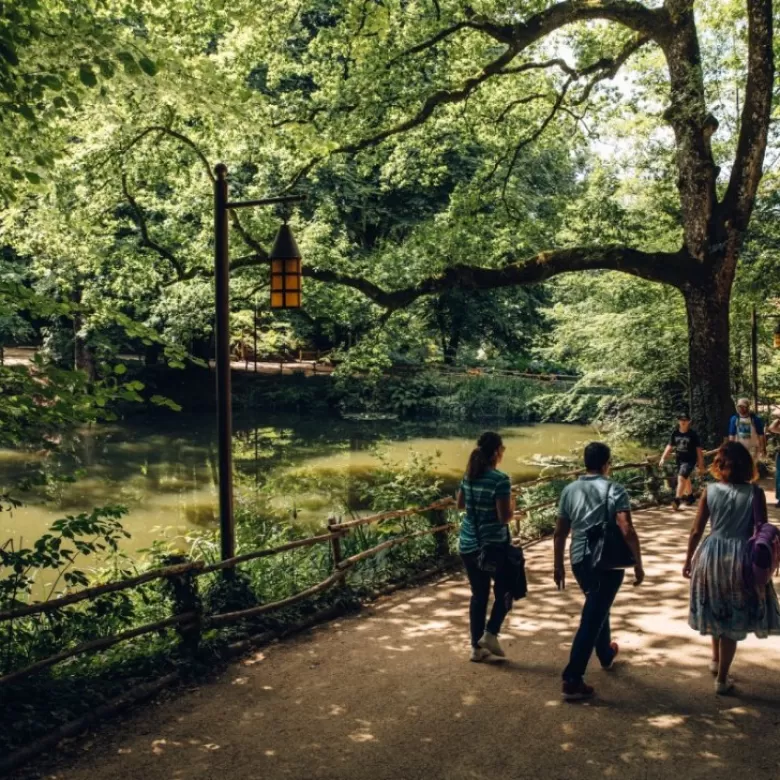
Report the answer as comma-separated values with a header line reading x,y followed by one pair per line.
x,y
166,473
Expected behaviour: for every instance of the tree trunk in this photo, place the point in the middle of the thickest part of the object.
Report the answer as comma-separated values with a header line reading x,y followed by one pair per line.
x,y
708,360
451,348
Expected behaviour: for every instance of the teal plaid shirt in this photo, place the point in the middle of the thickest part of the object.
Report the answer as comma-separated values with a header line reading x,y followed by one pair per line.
x,y
480,496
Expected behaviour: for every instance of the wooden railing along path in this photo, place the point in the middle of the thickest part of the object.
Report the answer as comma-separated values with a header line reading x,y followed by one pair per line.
x,y
190,622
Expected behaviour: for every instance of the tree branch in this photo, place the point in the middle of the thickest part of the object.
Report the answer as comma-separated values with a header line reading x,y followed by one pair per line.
x,y
509,107
531,138
664,267
649,23
609,66
634,15
754,129
440,98
179,137
430,42
146,239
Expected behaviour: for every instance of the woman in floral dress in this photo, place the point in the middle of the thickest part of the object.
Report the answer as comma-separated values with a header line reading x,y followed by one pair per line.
x,y
721,606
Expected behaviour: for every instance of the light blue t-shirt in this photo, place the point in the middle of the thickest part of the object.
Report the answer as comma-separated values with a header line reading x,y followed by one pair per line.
x,y
582,504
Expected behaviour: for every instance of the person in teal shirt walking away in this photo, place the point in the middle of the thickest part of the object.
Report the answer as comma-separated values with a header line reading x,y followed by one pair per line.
x,y
486,495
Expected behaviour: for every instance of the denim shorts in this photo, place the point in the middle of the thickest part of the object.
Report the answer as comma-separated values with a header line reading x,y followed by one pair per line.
x,y
685,469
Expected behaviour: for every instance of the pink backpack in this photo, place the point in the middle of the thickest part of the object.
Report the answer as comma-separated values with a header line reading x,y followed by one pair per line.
x,y
762,554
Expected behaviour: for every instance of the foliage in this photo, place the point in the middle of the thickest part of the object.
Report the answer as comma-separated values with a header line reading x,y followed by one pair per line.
x,y
57,551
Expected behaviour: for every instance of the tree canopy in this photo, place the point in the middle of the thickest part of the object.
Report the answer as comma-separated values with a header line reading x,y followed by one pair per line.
x,y
452,154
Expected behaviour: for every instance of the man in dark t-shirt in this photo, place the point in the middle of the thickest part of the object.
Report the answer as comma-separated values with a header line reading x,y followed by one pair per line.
x,y
685,444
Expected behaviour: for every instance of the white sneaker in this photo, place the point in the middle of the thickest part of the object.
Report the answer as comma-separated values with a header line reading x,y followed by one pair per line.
x,y
714,667
479,654
490,642
724,688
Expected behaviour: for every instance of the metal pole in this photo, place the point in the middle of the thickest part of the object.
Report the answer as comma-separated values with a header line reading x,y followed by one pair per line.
x,y
224,411
754,357
254,346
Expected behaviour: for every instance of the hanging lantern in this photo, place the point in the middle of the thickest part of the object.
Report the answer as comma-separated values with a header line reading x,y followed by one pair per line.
x,y
285,271
776,337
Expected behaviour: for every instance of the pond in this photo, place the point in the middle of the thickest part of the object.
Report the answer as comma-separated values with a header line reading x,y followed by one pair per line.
x,y
166,472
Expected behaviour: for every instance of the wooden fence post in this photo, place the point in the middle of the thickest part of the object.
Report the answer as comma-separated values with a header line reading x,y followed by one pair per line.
x,y
437,517
335,542
186,598
652,483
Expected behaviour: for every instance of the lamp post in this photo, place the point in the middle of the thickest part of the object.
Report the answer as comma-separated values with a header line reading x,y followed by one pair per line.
x,y
222,295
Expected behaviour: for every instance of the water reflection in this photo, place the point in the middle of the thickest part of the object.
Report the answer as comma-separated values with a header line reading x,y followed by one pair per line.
x,y
166,473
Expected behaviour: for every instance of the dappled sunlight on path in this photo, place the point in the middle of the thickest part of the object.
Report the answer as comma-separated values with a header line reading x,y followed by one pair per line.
x,y
390,694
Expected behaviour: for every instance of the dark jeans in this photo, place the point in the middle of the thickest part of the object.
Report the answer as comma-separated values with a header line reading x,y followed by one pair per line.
x,y
480,595
600,589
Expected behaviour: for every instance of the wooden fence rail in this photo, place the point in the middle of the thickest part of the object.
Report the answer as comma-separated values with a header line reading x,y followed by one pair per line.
x,y
99,590
100,644
230,563
192,621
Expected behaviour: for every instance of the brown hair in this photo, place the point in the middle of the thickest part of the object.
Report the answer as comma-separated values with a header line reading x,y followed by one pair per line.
x,y
733,463
481,458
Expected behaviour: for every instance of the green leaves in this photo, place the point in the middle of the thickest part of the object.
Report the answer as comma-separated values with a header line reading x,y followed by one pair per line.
x,y
107,69
8,53
87,76
160,400
26,111
147,66
128,63
52,82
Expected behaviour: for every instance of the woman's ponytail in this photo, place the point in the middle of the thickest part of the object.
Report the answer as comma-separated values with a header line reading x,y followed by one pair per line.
x,y
481,458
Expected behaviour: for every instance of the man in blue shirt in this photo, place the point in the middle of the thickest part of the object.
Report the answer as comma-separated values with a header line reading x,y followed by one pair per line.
x,y
583,504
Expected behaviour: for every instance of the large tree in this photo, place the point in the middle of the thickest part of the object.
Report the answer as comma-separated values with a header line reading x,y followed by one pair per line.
x,y
396,93
713,219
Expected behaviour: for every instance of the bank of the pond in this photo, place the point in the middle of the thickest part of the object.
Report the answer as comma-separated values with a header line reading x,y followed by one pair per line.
x,y
297,470
414,394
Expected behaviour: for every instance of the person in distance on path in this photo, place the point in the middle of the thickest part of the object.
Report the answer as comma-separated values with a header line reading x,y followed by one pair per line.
x,y
582,505
686,445
748,429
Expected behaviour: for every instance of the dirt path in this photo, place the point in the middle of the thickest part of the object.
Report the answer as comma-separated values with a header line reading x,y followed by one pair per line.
x,y
389,695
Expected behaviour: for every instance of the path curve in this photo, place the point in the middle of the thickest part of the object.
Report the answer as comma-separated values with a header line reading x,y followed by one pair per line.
x,y
389,695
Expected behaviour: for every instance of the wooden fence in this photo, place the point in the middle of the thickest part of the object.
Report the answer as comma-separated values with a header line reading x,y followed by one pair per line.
x,y
190,621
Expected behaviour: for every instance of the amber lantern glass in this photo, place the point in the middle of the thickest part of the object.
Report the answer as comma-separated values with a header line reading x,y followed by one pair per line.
x,y
776,336
285,271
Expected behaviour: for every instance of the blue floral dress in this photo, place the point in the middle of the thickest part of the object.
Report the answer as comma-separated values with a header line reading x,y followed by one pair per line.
x,y
720,604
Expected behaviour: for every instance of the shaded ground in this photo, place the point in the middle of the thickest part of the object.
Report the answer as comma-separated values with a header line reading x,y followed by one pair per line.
x,y
390,695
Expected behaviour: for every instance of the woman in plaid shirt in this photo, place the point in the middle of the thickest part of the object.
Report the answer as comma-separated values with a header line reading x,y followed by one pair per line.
x,y
486,495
